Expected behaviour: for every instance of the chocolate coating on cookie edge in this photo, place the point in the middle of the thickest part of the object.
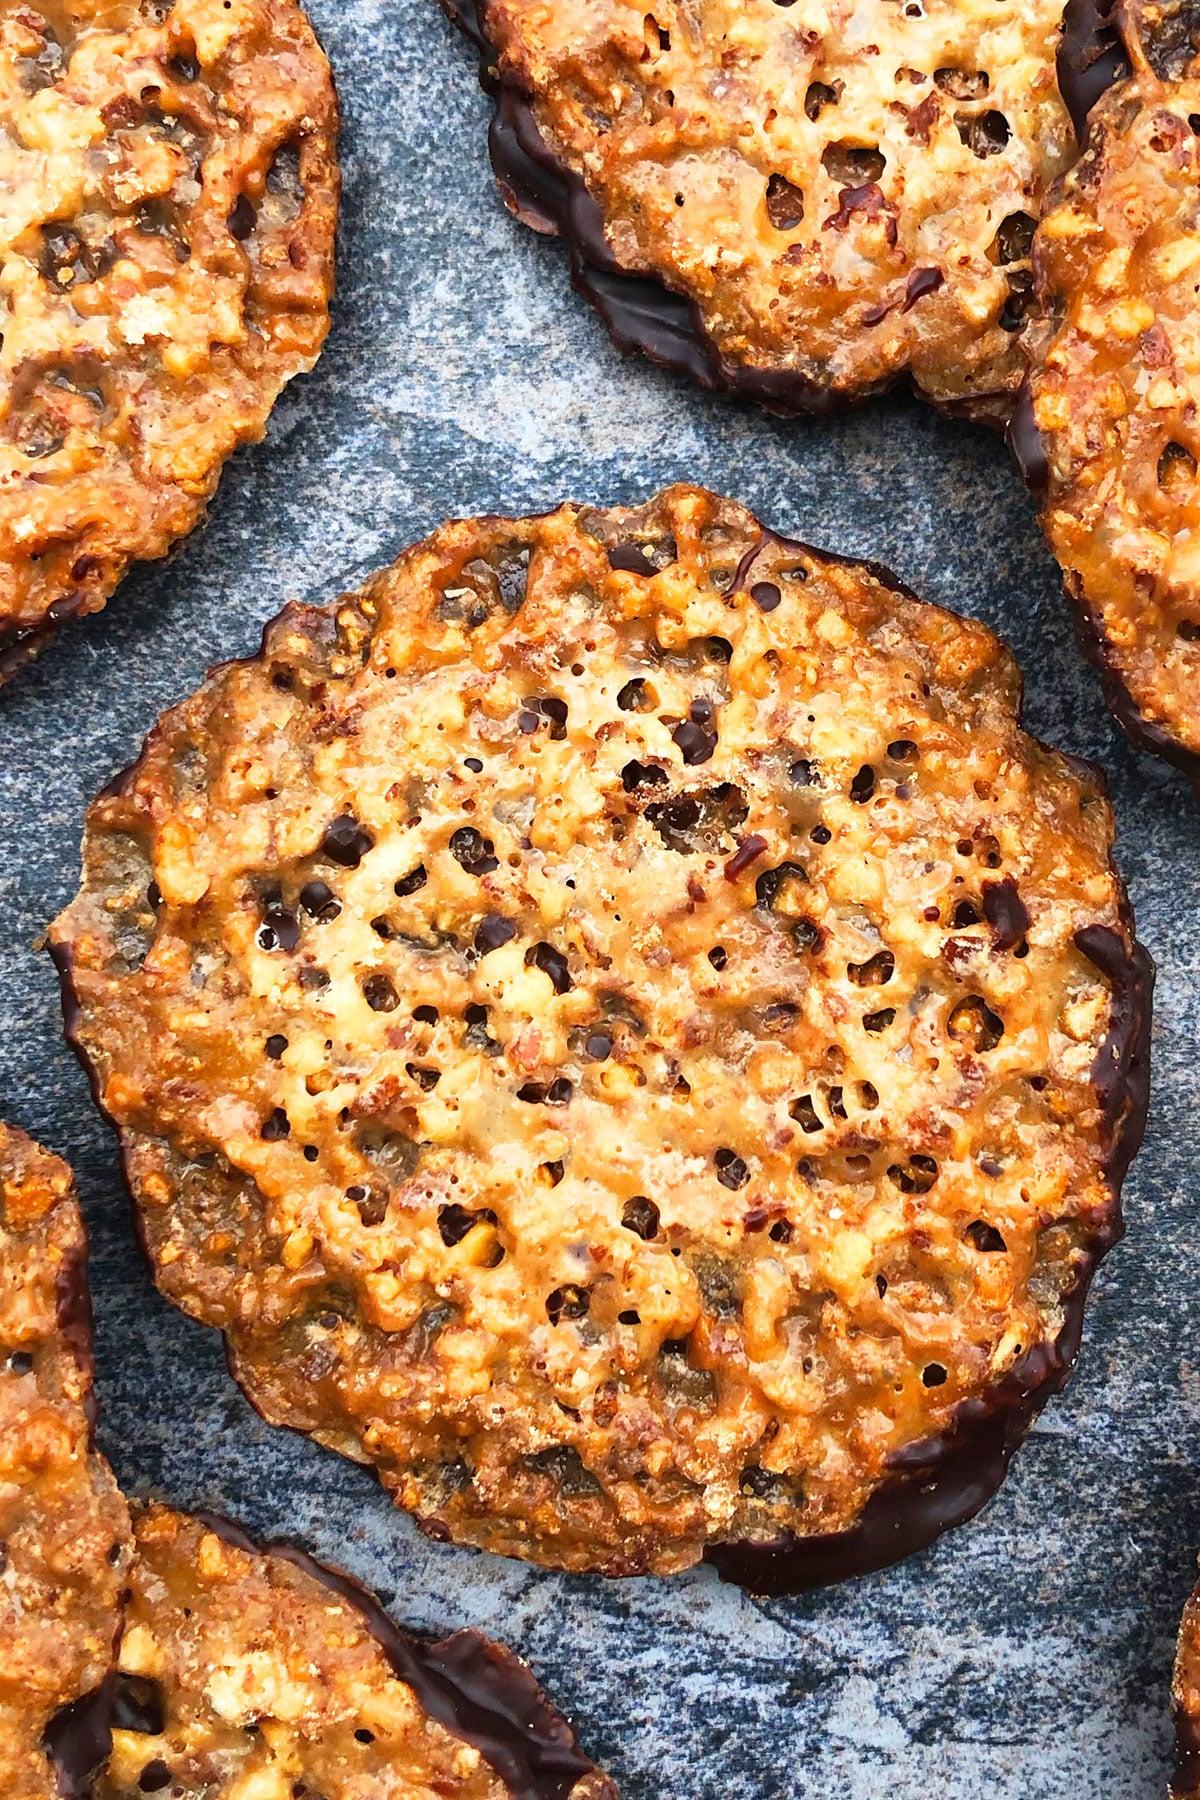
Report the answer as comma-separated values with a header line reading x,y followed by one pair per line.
x,y
475,1688
639,312
946,1481
1103,471
1028,448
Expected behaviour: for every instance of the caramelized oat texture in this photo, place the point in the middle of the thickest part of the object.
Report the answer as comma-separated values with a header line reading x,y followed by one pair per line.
x,y
251,1674
619,1028
63,1524
1185,1695
168,194
833,195
1115,387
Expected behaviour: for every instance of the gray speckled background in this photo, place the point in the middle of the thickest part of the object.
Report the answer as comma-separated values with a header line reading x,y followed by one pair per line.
x,y
1028,1656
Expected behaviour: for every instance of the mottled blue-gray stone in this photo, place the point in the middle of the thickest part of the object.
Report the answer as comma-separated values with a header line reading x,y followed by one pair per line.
x,y
1028,1656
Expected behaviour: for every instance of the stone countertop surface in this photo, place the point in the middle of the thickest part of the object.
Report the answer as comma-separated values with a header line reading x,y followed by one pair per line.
x,y
1028,1656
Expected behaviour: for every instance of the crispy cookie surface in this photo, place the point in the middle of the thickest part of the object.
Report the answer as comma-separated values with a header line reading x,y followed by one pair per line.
x,y
168,195
257,1674
621,1030
63,1523
825,197
1109,424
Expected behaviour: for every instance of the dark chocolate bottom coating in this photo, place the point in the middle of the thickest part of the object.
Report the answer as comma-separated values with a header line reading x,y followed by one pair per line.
x,y
963,1470
1092,58
640,312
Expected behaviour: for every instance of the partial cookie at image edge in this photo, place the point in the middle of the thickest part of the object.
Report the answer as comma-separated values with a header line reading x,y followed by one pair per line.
x,y
60,1601
640,311
149,338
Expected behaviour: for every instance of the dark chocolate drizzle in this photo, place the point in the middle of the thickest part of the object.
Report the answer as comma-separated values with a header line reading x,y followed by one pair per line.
x,y
939,1482
1090,57
481,1692
640,311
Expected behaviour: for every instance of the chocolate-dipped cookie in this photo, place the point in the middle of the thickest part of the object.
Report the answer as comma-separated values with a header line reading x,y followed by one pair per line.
x,y
624,1033
797,207
251,1673
64,1527
168,194
1106,430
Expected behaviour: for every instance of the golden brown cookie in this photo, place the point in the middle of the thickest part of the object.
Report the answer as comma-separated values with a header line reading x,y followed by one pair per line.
x,y
168,196
1107,429
625,1034
64,1529
797,203
258,1674
1185,1695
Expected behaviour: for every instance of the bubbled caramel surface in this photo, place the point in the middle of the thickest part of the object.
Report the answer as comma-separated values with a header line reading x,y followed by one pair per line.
x,y
597,1020
167,204
257,1675
847,191
63,1525
1114,392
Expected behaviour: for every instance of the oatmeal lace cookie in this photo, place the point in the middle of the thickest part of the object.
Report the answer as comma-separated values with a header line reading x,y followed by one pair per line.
x,y
63,1523
168,195
623,1033
800,203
